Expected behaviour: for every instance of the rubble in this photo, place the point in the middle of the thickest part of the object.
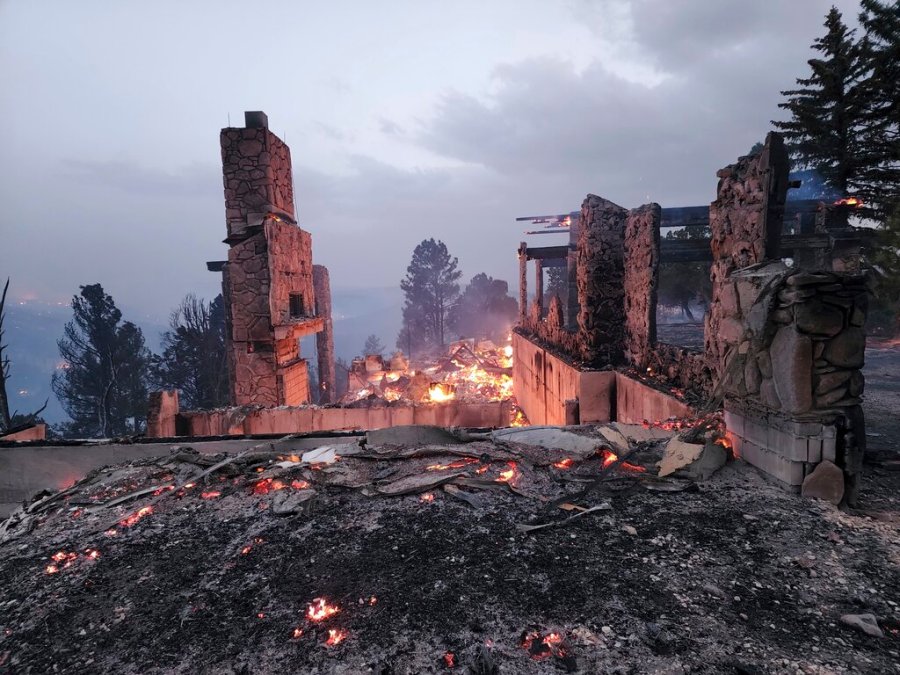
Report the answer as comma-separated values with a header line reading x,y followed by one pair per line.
x,y
452,553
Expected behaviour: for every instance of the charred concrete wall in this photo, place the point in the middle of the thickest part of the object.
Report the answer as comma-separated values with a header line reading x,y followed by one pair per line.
x,y
641,279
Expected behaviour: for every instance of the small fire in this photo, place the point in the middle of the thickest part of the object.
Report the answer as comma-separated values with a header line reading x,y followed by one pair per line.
x,y
135,517
246,550
855,202
508,351
267,485
297,633
427,497
112,532
564,463
509,475
458,464
164,488
440,392
482,469
450,659
373,600
61,560
92,553
541,646
212,494
335,636
320,610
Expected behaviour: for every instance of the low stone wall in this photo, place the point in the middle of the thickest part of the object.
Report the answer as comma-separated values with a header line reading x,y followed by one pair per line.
x,y
312,419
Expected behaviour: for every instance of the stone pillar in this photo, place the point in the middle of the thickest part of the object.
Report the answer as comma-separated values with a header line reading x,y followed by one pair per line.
x,y
572,273
746,221
601,296
325,338
523,282
641,282
539,286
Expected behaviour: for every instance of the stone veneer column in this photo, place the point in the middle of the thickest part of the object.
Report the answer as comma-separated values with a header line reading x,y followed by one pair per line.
x,y
325,338
601,295
641,282
746,221
539,286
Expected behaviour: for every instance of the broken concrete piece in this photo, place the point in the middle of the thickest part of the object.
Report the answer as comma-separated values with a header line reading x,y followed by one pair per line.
x,y
825,482
640,433
287,502
678,455
551,437
711,460
867,623
323,455
414,434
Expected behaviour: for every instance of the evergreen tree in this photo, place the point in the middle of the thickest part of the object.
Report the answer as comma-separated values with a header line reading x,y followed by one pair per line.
x,y
880,138
373,345
7,420
827,109
485,309
431,289
194,358
557,284
103,387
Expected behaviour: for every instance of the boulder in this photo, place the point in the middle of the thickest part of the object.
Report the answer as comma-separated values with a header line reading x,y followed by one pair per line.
x,y
847,350
826,482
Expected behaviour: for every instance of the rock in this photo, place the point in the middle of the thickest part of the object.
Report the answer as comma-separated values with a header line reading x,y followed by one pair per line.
x,y
857,384
630,530
826,482
764,361
847,349
830,381
791,355
867,623
714,590
752,377
768,394
287,502
818,318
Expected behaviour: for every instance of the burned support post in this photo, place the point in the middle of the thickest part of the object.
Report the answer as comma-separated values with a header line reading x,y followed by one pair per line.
x,y
325,338
572,273
523,282
539,286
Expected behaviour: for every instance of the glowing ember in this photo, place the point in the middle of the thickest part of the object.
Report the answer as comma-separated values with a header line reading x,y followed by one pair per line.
x,y
297,633
135,517
299,484
246,550
261,615
427,497
267,485
212,494
164,488
111,532
320,610
373,600
450,659
564,463
482,469
541,646
458,464
508,475
92,553
335,636
608,457
51,569
188,486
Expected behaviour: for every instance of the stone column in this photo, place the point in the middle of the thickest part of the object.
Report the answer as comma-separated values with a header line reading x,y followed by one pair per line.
x,y
523,282
539,286
325,338
641,281
601,295
571,299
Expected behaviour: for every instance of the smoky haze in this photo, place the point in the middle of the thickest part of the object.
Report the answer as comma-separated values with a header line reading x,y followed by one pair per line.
x,y
406,120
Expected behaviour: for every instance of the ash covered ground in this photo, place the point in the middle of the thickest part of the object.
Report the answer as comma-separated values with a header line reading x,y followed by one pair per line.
x,y
420,547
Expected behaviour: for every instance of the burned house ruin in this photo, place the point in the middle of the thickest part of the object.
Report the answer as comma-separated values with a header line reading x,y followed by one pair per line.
x,y
784,343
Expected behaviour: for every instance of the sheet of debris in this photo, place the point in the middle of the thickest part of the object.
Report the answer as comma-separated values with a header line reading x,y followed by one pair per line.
x,y
534,550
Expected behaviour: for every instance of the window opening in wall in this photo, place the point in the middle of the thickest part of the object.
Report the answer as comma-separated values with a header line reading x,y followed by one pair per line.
x,y
296,305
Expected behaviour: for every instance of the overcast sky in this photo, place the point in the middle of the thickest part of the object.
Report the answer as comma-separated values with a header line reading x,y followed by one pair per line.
x,y
406,120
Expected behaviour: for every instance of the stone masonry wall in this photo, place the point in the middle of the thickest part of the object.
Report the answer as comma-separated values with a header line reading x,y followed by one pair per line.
x,y
746,221
249,281
641,280
600,266
256,167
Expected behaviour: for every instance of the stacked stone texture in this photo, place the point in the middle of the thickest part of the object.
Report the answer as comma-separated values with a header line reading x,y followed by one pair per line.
x,y
256,168
601,293
291,270
325,339
745,221
641,280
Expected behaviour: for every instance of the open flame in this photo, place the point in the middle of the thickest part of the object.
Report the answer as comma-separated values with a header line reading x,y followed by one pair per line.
x,y
458,464
320,610
854,202
427,497
608,457
438,392
335,636
564,463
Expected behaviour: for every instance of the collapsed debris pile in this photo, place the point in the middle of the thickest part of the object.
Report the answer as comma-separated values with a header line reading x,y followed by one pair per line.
x,y
471,370
538,550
